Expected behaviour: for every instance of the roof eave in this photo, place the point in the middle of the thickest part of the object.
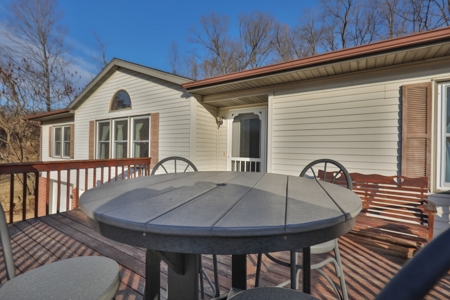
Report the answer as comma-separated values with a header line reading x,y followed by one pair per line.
x,y
114,65
414,40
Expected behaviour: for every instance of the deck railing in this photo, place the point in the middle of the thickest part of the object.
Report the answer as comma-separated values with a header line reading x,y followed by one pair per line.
x,y
29,183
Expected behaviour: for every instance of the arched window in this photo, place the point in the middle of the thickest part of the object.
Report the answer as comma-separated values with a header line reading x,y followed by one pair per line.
x,y
121,100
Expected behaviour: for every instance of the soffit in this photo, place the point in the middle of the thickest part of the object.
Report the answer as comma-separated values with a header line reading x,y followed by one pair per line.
x,y
237,101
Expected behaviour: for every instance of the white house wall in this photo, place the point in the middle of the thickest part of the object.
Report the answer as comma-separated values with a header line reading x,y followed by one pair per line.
x,y
354,119
148,95
206,138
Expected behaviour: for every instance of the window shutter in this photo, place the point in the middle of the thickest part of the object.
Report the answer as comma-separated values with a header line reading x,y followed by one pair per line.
x,y
50,141
416,130
72,141
154,139
91,139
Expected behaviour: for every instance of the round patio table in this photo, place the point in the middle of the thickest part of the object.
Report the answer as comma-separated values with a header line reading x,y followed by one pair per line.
x,y
178,216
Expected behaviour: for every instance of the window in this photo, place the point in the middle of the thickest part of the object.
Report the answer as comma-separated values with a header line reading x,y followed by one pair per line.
x,y
121,100
103,140
115,138
444,134
141,137
61,143
120,138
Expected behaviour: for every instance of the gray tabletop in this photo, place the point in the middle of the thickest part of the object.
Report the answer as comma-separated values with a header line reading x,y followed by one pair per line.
x,y
207,212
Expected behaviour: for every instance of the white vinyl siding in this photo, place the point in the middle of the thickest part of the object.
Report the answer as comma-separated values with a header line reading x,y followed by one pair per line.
x,y
205,138
148,95
354,119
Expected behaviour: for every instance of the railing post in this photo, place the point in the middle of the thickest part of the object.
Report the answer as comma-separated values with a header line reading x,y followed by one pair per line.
x,y
36,195
24,196
77,195
58,197
68,187
11,199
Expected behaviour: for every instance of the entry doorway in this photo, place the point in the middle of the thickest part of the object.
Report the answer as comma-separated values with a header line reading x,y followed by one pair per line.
x,y
247,134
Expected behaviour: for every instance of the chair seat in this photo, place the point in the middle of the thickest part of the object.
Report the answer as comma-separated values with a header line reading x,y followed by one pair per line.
x,y
272,293
87,277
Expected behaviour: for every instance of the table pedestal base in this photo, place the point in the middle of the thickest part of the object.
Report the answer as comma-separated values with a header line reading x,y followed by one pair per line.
x,y
182,279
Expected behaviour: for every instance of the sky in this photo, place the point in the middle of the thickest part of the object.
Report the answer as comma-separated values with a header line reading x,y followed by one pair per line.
x,y
141,31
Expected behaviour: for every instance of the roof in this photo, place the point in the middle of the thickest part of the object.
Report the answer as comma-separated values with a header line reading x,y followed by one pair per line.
x,y
417,47
52,115
117,64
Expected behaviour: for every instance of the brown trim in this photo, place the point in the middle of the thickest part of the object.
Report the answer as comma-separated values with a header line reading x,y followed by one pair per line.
x,y
91,139
413,40
416,130
50,141
72,141
154,139
50,113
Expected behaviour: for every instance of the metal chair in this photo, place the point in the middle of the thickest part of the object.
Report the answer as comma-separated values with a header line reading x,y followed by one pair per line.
x,y
166,165
421,273
85,277
174,164
317,170
271,293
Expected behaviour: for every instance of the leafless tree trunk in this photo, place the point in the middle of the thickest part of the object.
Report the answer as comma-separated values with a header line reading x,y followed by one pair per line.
x,y
34,76
256,35
101,60
36,42
338,14
311,32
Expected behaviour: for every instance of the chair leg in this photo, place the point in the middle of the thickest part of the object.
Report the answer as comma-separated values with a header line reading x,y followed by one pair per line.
x,y
258,270
216,276
202,290
341,275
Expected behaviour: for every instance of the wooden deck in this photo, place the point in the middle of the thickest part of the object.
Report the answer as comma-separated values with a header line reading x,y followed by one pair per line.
x,y
42,240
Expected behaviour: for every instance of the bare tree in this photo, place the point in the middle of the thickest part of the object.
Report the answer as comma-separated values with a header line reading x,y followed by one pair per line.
x,y
101,60
19,138
421,15
338,15
443,11
256,35
311,32
392,18
364,24
34,75
220,51
283,43
174,58
35,38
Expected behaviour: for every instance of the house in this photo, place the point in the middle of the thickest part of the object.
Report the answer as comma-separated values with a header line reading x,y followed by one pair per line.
x,y
379,108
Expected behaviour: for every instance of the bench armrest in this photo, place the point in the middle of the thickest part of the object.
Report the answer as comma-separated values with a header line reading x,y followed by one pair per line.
x,y
428,207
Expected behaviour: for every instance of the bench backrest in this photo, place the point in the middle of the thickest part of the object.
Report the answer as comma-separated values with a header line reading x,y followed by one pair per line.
x,y
393,198
397,198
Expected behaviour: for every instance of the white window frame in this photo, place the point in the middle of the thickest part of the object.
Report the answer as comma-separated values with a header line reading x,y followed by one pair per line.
x,y
97,142
442,135
62,142
130,140
113,139
133,141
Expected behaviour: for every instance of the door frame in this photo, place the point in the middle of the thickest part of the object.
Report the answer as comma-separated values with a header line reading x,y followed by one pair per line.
x,y
261,111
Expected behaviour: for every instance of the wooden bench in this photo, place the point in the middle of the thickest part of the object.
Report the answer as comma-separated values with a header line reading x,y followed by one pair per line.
x,y
396,215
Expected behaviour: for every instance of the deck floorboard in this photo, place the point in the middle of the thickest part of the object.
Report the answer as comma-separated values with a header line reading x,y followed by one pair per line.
x,y
43,240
